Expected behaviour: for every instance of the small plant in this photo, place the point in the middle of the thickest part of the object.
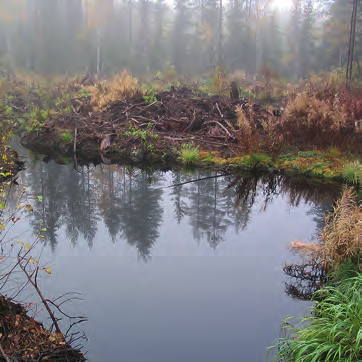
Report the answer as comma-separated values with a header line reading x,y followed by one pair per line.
x,y
219,82
208,158
332,152
189,153
150,96
37,119
66,137
352,173
258,159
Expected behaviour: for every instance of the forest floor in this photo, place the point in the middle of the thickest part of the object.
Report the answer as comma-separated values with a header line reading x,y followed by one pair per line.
x,y
162,130
24,339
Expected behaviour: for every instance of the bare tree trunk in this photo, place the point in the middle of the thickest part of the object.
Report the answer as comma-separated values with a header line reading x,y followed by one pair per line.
x,y
220,60
130,22
352,36
99,66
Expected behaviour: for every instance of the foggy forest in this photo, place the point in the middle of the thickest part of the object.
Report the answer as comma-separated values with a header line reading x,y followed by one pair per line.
x,y
292,38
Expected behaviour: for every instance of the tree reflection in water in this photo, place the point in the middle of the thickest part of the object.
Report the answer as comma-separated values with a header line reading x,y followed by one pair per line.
x,y
130,201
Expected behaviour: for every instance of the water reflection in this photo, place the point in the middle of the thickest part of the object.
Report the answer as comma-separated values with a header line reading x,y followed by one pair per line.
x,y
131,203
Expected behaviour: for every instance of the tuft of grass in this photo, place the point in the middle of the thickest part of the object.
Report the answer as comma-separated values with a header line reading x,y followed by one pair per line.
x,y
122,86
352,173
190,154
259,159
333,332
333,152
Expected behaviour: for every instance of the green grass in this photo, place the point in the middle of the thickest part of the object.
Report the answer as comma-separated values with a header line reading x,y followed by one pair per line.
x,y
66,137
352,173
259,159
190,154
333,332
333,152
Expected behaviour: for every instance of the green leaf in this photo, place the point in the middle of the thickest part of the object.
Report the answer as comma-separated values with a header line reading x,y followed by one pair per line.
x,y
44,229
48,270
40,198
29,207
2,227
2,205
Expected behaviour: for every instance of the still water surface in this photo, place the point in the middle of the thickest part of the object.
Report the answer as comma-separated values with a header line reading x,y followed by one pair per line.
x,y
187,273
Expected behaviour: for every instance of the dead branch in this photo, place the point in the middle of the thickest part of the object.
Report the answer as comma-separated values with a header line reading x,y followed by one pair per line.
x,y
44,301
75,140
192,122
199,179
4,355
223,127
221,115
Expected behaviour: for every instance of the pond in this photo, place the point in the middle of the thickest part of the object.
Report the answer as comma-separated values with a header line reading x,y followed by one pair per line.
x,y
185,273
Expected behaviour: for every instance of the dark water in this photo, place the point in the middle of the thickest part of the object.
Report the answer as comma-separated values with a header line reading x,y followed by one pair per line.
x,y
188,273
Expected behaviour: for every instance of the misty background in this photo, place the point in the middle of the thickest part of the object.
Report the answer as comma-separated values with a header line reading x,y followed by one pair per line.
x,y
291,38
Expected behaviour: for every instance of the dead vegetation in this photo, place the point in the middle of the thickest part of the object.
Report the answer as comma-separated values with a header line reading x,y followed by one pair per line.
x,y
24,339
341,238
121,87
326,119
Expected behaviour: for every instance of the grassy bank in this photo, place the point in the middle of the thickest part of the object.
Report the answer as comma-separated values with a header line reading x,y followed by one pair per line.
x,y
332,331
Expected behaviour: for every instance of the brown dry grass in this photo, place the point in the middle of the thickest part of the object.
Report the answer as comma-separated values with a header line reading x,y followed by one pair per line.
x,y
122,86
273,139
322,112
340,239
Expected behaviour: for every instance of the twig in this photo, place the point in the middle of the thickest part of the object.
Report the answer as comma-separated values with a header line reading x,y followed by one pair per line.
x,y
74,111
163,104
177,139
192,122
221,115
133,105
223,127
211,142
75,140
199,179
4,355
144,118
44,301
110,122
151,104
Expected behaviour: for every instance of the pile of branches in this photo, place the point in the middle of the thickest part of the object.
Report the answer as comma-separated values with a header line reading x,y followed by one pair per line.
x,y
175,115
24,339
